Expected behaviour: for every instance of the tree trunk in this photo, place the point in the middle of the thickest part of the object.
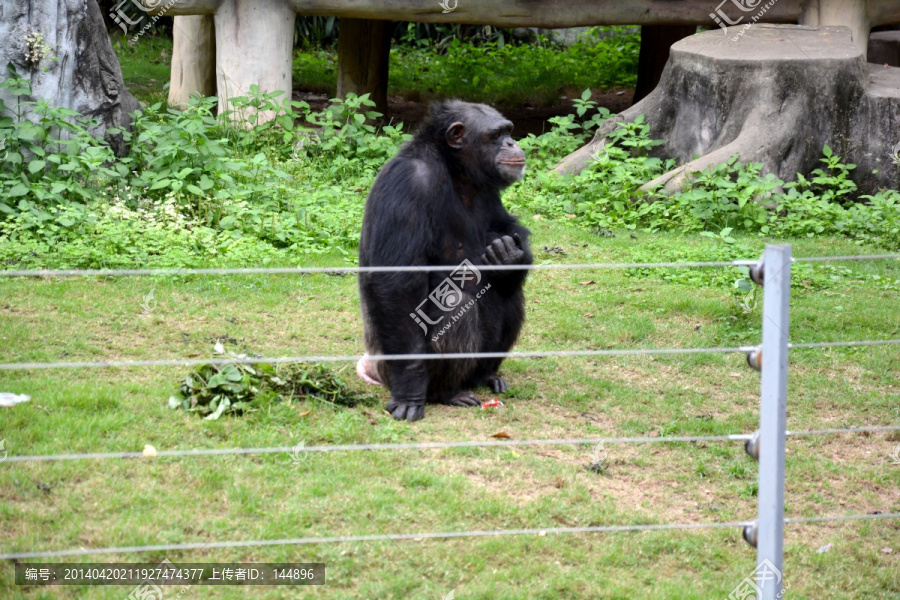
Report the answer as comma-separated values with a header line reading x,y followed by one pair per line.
x,y
655,43
363,51
193,59
74,65
774,95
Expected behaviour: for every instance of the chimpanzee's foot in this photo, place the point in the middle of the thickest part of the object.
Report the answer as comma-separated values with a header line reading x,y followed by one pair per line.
x,y
463,399
402,410
497,384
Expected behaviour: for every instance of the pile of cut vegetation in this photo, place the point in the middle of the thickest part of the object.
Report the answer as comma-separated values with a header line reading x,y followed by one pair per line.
x,y
235,388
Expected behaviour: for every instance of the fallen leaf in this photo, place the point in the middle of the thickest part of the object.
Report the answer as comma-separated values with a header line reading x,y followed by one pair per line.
x,y
887,550
588,315
149,450
303,414
735,374
538,217
571,216
500,434
591,282
654,434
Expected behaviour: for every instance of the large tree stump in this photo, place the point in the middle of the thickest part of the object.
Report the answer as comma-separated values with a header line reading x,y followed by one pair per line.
x,y
776,95
77,67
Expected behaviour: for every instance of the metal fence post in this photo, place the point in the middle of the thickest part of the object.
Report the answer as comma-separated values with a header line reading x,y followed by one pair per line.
x,y
773,413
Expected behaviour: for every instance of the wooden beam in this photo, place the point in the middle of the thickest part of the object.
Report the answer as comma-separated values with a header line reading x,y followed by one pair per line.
x,y
519,13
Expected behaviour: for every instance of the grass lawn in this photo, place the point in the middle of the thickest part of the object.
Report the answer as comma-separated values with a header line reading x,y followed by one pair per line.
x,y
166,500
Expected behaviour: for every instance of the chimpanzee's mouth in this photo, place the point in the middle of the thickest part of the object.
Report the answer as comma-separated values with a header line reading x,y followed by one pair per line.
x,y
513,163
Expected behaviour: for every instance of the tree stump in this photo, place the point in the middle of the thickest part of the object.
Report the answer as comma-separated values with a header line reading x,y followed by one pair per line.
x,y
72,65
772,94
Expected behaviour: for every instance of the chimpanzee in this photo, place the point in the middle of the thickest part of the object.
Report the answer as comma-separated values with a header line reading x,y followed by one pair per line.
x,y
438,203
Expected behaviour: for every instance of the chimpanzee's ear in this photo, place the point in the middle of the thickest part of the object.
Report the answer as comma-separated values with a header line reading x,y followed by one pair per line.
x,y
455,135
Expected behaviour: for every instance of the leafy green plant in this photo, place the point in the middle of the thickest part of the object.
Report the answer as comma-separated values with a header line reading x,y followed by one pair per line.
x,y
216,389
537,73
730,196
51,158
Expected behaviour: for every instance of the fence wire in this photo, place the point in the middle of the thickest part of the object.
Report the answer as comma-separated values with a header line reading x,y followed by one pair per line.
x,y
395,537
191,362
735,437
414,269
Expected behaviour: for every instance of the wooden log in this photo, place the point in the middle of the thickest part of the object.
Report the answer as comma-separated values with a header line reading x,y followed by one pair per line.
x,y
363,51
516,13
254,46
775,96
193,58
840,12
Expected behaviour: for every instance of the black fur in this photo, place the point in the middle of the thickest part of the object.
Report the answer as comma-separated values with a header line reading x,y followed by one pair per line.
x,y
437,203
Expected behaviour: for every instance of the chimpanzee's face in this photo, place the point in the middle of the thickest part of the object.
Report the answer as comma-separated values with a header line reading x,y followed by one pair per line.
x,y
509,158
482,138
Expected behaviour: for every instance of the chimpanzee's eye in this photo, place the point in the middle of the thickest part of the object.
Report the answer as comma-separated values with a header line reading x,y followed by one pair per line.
x,y
496,135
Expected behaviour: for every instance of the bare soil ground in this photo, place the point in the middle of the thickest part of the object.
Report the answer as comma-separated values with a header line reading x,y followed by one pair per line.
x,y
526,119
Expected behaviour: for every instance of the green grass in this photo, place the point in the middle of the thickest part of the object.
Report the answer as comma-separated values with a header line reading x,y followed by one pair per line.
x,y
95,504
146,66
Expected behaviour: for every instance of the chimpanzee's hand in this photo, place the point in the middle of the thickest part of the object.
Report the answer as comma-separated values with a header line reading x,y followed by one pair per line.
x,y
403,410
505,250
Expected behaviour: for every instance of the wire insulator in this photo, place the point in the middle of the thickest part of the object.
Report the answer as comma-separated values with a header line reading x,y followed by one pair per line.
x,y
751,533
754,358
751,446
757,273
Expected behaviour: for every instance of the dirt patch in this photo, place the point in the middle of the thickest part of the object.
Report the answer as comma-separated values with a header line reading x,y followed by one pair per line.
x,y
526,118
